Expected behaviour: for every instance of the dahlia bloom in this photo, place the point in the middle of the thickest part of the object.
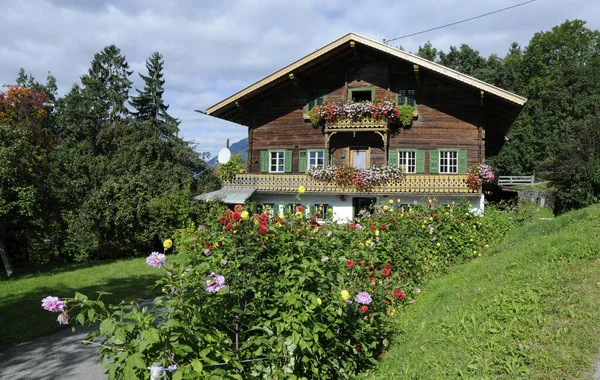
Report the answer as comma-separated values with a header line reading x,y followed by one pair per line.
x,y
363,298
215,283
53,304
156,259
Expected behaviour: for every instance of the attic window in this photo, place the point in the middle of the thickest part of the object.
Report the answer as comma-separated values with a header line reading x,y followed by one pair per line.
x,y
406,97
361,94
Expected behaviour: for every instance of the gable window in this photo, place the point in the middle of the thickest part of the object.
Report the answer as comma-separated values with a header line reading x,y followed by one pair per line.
x,y
405,96
315,99
277,164
276,161
362,94
448,161
407,160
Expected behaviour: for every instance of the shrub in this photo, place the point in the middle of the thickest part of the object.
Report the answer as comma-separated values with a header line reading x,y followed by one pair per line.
x,y
254,296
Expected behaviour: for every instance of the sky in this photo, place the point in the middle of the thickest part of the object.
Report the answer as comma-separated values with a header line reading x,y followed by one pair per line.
x,y
213,49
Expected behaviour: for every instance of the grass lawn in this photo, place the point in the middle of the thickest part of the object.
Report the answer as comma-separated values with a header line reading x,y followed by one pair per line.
x,y
529,309
24,319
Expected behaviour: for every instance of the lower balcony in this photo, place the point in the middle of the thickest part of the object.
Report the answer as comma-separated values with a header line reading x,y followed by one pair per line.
x,y
412,183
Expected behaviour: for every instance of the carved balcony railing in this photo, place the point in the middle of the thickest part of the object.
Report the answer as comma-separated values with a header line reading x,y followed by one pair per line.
x,y
411,183
365,124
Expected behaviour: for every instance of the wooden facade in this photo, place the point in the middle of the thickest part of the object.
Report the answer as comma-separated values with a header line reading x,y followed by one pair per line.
x,y
453,112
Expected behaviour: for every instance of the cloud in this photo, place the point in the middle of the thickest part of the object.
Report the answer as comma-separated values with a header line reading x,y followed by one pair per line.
x,y
214,49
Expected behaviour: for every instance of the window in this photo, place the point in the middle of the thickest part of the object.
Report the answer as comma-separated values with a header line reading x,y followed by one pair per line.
x,y
277,162
315,99
322,211
316,159
361,94
448,161
406,97
267,208
407,160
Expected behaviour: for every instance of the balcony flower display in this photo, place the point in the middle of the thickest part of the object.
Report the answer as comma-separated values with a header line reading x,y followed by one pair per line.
x,y
479,174
384,110
359,179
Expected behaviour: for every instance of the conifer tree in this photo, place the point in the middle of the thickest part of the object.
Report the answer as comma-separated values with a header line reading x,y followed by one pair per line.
x,y
149,104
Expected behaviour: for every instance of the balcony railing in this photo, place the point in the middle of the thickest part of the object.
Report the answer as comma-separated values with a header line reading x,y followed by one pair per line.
x,y
366,124
412,183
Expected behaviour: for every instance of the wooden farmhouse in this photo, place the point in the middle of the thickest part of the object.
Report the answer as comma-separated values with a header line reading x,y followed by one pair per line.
x,y
457,121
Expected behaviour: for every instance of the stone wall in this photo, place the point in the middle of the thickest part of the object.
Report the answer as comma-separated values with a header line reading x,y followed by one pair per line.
x,y
542,198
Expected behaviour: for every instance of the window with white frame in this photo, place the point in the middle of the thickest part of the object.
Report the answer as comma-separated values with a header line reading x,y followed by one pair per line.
x,y
316,159
448,161
407,160
277,162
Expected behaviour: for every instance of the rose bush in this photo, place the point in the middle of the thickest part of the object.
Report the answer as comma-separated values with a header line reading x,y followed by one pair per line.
x,y
281,296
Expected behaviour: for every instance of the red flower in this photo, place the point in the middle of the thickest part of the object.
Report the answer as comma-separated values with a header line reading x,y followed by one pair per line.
x,y
364,309
223,219
385,272
405,274
388,266
228,227
236,216
372,278
351,226
238,208
383,226
372,228
228,212
399,294
357,347
264,217
262,230
349,264
299,209
362,263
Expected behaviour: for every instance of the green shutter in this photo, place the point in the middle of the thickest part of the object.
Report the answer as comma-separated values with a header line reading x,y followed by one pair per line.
x,y
326,158
264,161
302,161
288,161
434,161
401,97
462,162
393,157
420,161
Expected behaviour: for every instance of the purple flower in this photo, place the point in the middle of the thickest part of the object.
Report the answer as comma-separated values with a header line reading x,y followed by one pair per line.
x,y
215,283
156,259
418,290
324,259
63,318
329,234
415,202
433,238
358,226
53,304
431,230
363,298
207,251
349,302
224,262
377,239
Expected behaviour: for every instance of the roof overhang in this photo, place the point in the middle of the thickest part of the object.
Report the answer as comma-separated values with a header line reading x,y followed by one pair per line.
x,y
216,109
228,195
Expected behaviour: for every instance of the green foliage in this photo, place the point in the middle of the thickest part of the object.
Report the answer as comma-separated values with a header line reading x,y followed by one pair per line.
x,y
527,310
406,115
287,304
228,171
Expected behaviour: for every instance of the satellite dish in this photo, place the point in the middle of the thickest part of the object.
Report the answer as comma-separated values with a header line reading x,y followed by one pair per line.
x,y
224,156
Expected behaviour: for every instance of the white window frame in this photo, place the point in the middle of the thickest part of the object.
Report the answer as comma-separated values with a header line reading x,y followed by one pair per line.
x,y
408,164
277,161
448,162
313,161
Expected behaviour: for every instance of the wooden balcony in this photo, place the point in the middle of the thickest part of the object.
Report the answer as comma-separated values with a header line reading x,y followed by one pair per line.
x,y
348,125
412,183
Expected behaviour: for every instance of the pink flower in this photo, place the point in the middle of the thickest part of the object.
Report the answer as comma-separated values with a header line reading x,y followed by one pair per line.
x,y
53,304
156,259
215,283
63,318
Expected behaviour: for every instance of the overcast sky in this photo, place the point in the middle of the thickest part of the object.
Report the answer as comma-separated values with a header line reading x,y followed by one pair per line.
x,y
213,49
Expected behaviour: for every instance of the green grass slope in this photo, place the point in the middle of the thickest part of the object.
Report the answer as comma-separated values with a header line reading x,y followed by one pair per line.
x,y
529,309
21,312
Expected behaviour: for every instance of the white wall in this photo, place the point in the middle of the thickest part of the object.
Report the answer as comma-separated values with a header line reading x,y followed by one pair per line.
x,y
342,207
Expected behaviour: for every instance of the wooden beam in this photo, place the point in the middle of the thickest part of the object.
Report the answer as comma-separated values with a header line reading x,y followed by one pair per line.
x,y
417,76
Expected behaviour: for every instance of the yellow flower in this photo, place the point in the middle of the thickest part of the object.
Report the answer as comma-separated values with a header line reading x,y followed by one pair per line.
x,y
391,201
168,244
398,200
451,237
345,295
301,189
319,302
164,290
386,207
487,245
368,242
393,312
298,214
376,232
438,244
281,216
245,215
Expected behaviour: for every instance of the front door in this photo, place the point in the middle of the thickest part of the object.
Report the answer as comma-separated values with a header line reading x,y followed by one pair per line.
x,y
359,158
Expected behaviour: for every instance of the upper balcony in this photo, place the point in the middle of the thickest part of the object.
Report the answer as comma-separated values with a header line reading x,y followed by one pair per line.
x,y
411,183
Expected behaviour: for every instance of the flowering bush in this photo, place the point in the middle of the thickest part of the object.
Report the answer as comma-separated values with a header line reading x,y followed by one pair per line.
x,y
479,174
385,110
282,296
359,179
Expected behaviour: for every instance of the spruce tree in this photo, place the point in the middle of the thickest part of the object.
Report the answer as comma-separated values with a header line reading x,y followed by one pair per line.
x,y
149,104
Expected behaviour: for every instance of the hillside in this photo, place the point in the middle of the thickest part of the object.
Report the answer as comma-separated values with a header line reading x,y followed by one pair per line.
x,y
529,309
238,147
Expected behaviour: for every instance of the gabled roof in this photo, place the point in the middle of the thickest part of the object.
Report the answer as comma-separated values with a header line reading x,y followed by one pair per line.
x,y
422,62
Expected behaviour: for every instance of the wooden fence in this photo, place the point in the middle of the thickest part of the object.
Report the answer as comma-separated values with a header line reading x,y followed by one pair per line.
x,y
511,180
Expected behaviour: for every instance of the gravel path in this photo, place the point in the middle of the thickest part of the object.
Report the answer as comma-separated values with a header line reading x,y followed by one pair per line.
x,y
58,356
